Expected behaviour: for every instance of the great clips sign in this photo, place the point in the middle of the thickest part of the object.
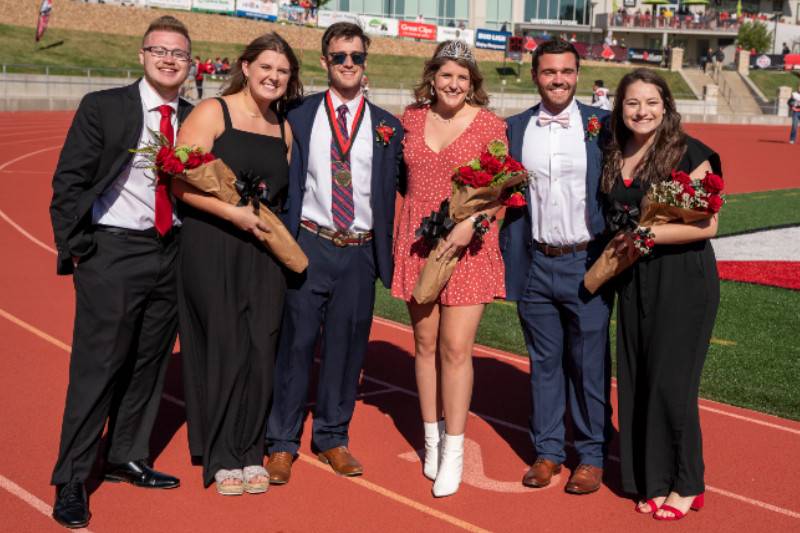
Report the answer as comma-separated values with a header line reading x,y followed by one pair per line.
x,y
416,30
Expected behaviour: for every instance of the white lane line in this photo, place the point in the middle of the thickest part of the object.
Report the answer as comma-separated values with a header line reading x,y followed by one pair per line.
x,y
524,363
35,140
30,499
25,234
31,154
396,388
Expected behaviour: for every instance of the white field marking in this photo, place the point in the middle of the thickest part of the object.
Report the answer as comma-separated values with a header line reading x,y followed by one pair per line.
x,y
46,172
25,234
474,475
31,131
524,362
30,154
66,347
34,140
782,244
30,499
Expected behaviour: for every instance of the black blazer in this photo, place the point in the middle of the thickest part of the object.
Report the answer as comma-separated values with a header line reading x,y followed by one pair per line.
x,y
106,126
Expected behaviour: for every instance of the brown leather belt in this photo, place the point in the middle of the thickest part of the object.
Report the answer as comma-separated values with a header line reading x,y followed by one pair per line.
x,y
338,238
558,251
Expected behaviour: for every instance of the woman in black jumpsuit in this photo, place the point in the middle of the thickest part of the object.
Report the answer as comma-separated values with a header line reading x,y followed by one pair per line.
x,y
231,288
666,308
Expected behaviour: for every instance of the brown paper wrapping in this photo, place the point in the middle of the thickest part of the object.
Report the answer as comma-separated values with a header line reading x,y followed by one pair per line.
x,y
218,180
464,202
609,264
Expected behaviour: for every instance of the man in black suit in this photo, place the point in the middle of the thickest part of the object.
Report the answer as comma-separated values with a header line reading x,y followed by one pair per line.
x,y
116,232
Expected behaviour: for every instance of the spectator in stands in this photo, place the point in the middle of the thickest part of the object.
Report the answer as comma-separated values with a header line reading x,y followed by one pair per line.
x,y
794,111
719,60
217,65
705,61
199,70
600,96
226,66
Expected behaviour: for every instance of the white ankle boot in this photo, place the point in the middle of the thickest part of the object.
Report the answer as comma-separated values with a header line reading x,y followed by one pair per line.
x,y
433,448
450,466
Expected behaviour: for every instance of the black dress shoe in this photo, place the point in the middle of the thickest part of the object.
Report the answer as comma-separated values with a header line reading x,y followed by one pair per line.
x,y
137,473
72,505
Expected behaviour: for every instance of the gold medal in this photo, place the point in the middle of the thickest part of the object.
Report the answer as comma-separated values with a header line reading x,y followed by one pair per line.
x,y
343,177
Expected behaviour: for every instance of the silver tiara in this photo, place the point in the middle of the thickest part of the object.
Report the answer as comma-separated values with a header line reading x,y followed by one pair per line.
x,y
456,49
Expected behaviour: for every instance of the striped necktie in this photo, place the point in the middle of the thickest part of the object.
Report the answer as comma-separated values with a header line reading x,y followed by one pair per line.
x,y
342,205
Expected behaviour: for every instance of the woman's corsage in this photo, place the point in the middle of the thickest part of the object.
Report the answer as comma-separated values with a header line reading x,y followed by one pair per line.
x,y
383,133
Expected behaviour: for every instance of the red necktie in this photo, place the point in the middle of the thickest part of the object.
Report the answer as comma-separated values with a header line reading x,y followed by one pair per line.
x,y
163,202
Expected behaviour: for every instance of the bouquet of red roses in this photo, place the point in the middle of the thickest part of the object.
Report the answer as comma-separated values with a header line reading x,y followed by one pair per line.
x,y
493,179
679,200
204,172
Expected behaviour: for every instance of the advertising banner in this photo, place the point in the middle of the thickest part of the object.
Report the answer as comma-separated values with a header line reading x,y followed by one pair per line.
x,y
382,26
491,39
215,6
416,30
44,17
170,4
639,55
328,18
261,9
447,33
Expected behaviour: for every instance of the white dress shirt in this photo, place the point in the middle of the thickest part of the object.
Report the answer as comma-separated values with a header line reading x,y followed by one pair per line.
x,y
130,200
318,196
555,157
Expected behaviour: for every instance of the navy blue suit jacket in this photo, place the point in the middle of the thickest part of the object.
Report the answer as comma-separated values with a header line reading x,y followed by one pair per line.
x,y
386,164
515,236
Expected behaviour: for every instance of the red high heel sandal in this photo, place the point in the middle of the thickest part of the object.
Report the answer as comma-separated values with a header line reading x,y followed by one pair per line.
x,y
651,506
697,504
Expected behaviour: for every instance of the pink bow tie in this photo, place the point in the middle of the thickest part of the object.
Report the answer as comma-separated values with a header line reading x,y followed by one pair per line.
x,y
563,119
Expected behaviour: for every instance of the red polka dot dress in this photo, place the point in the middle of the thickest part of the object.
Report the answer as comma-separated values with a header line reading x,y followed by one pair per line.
x,y
479,276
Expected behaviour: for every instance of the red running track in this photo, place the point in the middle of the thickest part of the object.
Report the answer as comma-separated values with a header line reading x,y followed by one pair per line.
x,y
750,457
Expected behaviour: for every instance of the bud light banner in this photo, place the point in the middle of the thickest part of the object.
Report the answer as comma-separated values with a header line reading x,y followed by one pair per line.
x,y
490,39
260,9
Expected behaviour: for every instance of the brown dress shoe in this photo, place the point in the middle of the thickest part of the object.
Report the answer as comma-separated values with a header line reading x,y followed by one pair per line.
x,y
584,479
279,467
342,462
541,472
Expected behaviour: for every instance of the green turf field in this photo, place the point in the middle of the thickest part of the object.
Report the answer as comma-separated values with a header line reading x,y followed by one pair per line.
x,y
769,81
754,360
99,51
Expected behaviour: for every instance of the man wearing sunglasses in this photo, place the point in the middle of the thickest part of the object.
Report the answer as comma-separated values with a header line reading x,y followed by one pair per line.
x,y
342,189
116,233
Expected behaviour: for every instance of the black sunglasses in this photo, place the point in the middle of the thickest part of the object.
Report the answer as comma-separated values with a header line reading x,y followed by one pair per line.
x,y
338,58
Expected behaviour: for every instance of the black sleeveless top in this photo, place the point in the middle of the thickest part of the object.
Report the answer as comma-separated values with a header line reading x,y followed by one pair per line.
x,y
257,154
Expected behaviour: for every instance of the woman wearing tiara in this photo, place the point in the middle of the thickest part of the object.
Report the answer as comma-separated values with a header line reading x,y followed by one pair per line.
x,y
446,126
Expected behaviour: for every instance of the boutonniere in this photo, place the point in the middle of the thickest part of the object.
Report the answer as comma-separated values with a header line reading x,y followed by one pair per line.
x,y
384,133
593,127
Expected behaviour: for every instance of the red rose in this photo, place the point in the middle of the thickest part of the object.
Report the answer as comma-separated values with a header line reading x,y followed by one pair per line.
x,y
485,223
162,155
482,179
594,126
688,189
194,160
681,177
515,200
713,184
208,157
714,203
490,163
172,165
466,175
649,243
512,165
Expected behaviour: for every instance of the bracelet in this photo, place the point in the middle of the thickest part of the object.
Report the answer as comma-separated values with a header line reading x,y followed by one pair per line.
x,y
481,224
643,240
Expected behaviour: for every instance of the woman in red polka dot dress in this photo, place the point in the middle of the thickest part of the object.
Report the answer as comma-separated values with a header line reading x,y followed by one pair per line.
x,y
446,127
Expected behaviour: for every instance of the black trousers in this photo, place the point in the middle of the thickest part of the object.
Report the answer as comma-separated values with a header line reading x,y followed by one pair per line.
x,y
125,329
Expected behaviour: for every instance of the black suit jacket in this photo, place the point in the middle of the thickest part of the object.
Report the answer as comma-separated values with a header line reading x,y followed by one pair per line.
x,y
106,127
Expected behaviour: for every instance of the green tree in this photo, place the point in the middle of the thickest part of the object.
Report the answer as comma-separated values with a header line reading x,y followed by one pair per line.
x,y
754,35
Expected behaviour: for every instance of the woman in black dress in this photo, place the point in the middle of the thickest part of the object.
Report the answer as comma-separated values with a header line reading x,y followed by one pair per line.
x,y
667,304
231,289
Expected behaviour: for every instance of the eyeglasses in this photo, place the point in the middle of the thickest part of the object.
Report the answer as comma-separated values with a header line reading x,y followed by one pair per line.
x,y
339,58
160,51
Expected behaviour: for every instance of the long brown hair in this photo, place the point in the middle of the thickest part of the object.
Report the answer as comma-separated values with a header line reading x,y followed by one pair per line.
x,y
422,92
274,42
669,143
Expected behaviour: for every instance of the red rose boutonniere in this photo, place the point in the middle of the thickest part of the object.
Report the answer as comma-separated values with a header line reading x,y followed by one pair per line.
x,y
593,127
383,133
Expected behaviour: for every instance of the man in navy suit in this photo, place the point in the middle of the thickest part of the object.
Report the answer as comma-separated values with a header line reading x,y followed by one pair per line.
x,y
547,247
343,182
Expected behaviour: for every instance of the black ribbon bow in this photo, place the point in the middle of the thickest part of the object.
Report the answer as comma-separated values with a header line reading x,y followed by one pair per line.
x,y
253,190
622,217
437,225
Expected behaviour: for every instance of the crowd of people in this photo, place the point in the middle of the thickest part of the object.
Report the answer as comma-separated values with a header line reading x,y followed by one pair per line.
x,y
708,19
152,257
